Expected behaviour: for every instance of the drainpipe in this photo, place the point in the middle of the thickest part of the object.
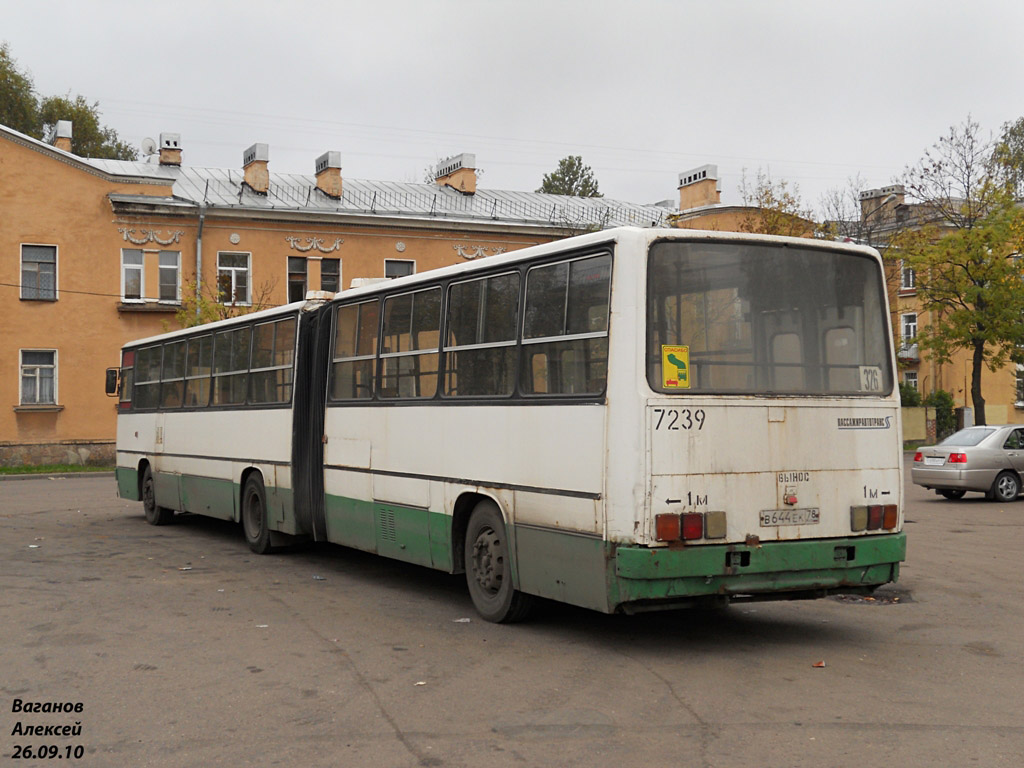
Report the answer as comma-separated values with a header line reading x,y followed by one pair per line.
x,y
199,256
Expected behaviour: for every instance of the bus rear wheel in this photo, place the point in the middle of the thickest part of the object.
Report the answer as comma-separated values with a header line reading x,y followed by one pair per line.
x,y
155,515
254,515
488,570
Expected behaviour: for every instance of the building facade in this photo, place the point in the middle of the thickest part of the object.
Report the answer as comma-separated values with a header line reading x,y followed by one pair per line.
x,y
885,212
94,253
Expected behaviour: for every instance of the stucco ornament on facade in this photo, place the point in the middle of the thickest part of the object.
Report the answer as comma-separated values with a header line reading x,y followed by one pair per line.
x,y
149,235
314,242
477,251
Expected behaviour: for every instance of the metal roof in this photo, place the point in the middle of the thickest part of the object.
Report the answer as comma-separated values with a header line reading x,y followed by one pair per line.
x,y
223,188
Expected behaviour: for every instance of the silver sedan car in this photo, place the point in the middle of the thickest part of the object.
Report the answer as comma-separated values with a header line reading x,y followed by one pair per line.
x,y
988,459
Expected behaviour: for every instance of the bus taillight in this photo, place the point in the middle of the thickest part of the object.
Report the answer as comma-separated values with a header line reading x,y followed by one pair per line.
x,y
874,518
667,527
689,526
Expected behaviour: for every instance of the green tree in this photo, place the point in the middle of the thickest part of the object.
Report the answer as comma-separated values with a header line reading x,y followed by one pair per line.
x,y
23,111
967,257
571,177
89,138
945,419
18,106
909,396
207,305
1008,157
773,207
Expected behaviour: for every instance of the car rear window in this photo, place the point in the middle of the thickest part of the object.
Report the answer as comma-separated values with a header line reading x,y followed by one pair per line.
x,y
969,436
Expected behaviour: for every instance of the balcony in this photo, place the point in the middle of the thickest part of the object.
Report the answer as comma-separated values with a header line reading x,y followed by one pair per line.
x,y
908,352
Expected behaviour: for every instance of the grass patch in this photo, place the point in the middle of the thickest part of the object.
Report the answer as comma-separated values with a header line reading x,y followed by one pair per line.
x,y
52,469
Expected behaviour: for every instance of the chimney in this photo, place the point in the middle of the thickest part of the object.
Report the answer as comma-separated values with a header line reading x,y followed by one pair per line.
x,y
328,174
458,172
254,163
880,204
170,149
699,187
62,135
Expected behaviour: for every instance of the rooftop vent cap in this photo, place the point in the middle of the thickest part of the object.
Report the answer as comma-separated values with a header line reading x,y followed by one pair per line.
x,y
170,141
452,164
698,174
256,153
328,160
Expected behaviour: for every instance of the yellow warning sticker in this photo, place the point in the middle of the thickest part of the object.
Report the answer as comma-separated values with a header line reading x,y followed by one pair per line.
x,y
675,366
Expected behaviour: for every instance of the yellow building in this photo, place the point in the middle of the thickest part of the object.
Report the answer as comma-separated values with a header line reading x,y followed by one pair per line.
x,y
884,212
94,253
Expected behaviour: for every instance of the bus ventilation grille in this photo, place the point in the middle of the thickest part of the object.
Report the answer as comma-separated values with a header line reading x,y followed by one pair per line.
x,y
387,525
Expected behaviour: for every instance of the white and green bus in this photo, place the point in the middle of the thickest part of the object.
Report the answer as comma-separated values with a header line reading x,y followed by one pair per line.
x,y
628,420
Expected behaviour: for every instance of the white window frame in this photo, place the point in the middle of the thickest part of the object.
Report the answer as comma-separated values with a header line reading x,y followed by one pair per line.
x,y
177,277
1019,387
908,338
396,261
233,270
910,378
21,373
21,271
905,284
142,277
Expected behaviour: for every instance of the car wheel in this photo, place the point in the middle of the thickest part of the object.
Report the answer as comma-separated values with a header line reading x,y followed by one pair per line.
x,y
1005,488
951,494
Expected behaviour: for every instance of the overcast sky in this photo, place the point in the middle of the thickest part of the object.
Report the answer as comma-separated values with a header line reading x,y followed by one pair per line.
x,y
813,91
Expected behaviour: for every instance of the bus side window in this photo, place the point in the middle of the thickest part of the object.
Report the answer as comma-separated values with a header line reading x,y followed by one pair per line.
x,y
409,356
565,333
355,348
198,366
273,350
173,375
147,377
231,365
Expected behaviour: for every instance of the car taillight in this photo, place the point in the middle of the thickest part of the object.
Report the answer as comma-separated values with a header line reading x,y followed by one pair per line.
x,y
918,456
957,458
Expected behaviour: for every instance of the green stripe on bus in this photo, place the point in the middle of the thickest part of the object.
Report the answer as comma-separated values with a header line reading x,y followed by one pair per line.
x,y
411,534
769,557
127,483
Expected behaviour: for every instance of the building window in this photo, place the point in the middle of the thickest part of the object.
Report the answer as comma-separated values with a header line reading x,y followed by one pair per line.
x,y
1020,386
330,275
296,279
908,324
910,378
233,278
39,272
907,279
398,268
133,274
38,377
170,276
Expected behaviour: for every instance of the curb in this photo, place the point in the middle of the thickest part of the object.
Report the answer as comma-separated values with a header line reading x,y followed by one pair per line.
x,y
55,475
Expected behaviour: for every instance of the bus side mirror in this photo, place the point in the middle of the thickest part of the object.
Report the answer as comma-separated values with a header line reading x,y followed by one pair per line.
x,y
112,375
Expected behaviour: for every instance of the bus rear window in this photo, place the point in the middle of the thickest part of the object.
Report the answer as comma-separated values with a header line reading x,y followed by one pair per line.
x,y
752,318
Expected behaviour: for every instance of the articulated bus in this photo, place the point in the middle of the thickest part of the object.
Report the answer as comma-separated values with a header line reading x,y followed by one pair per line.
x,y
627,420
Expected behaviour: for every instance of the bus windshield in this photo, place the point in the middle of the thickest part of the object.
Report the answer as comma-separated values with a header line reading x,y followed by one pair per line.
x,y
755,318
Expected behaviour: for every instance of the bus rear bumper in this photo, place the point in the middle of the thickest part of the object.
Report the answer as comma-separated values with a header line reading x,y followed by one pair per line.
x,y
774,570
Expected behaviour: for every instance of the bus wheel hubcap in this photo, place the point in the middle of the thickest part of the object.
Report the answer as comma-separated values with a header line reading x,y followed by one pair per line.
x,y
487,565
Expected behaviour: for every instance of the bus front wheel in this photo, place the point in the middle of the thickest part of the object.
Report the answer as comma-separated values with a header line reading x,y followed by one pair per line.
x,y
254,515
488,571
155,515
